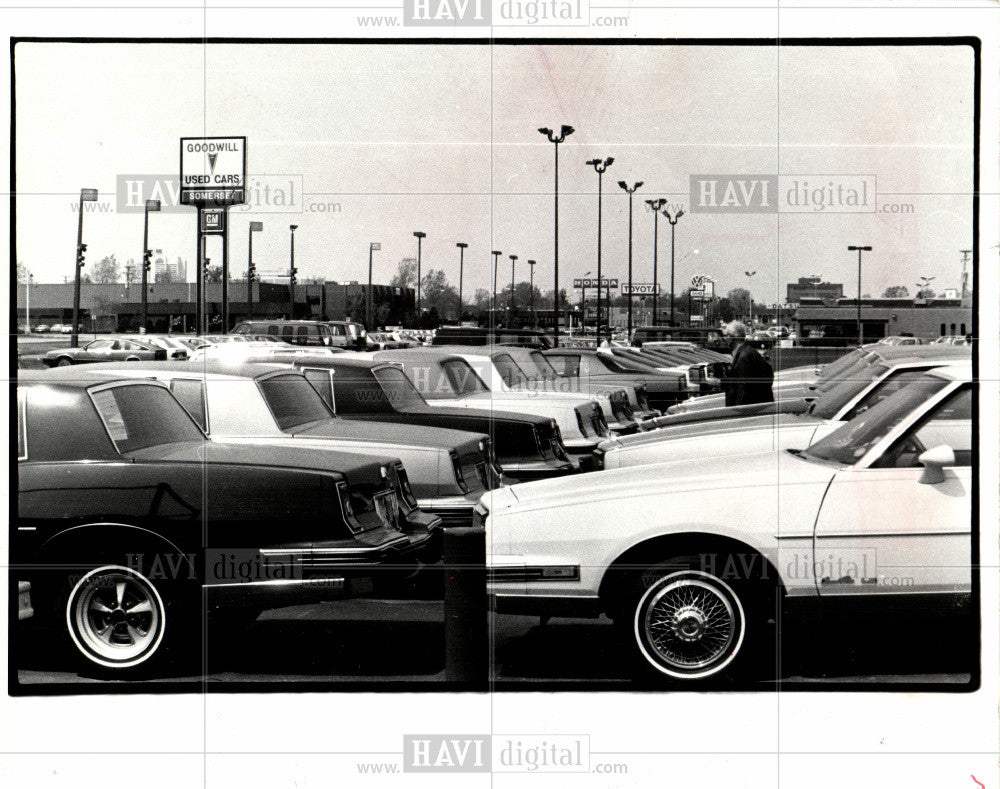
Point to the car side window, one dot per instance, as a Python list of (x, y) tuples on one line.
[(272, 330), (286, 332), (950, 424), (22, 426), (568, 365), (190, 394), (97, 345)]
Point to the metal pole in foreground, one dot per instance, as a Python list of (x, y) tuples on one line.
[(372, 246), (656, 205), (531, 292), (564, 132), (420, 237), (465, 625), (510, 320), (493, 304), (859, 250), (255, 227), (147, 254)]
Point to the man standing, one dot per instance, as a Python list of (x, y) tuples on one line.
[(750, 374)]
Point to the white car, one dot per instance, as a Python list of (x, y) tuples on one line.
[(720, 438), (696, 562), (448, 379)]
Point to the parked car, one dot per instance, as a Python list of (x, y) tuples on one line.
[(526, 447), (448, 379), (116, 541), (175, 348), (696, 560), (784, 430), (103, 350), (41, 328), (444, 472)]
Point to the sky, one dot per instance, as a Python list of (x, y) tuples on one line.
[(392, 139)]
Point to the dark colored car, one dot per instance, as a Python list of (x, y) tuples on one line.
[(127, 515), (479, 336), (105, 349), (662, 389), (527, 447)]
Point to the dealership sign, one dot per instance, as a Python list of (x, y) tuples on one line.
[(591, 282), (640, 289), (213, 170)]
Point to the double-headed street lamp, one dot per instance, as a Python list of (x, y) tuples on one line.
[(673, 224), (255, 227), (630, 192), (510, 319), (859, 250), (147, 254), (461, 270), (656, 205), (420, 237), (373, 246), (86, 196), (599, 167), (292, 271), (531, 292), (564, 132)]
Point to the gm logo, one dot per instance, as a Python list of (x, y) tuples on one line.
[(444, 753), (447, 13)]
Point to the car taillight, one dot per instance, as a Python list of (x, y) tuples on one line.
[(347, 510), (598, 459), (459, 477), (579, 422), (479, 514), (641, 398), (404, 486)]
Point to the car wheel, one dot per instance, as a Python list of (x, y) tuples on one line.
[(689, 626), (120, 621), (63, 361)]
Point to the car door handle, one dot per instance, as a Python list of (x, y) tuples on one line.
[(844, 579)]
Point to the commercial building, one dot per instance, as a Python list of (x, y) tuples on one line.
[(812, 288), (838, 324), (117, 307)]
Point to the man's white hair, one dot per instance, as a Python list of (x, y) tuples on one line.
[(736, 329)]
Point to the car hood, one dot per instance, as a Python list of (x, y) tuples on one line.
[(381, 432), (356, 469), (736, 475), (711, 428)]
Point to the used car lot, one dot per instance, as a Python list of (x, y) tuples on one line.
[(542, 536)]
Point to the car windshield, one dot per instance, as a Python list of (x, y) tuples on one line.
[(398, 389), (851, 442), (512, 374), (829, 403), (463, 379), (293, 401), (143, 415)]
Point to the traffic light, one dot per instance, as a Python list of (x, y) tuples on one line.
[(252, 273), (292, 272), (146, 258), (80, 250), (205, 268)]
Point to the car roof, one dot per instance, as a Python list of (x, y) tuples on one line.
[(108, 371), (929, 351), (960, 371)]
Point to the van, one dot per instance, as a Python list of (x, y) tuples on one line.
[(292, 332)]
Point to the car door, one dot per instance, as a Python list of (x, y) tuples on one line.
[(884, 529)]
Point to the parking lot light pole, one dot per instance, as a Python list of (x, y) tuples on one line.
[(599, 167), (859, 250), (630, 192), (564, 132), (86, 196), (420, 237), (656, 205), (147, 255), (292, 271), (372, 247), (750, 275), (493, 305), (255, 227), (510, 319), (461, 270), (673, 224), (531, 292)]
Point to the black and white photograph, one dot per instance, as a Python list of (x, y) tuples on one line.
[(600, 393)]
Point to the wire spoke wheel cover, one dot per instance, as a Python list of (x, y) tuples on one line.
[(689, 624), (115, 617)]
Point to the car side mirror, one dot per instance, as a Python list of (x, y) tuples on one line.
[(934, 461)]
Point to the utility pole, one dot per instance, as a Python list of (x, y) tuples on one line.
[(859, 250), (630, 192)]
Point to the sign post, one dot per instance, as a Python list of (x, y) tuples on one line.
[(213, 177)]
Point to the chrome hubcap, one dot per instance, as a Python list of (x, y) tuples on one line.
[(116, 617), (691, 624)]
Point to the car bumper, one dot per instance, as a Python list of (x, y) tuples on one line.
[(452, 510), (531, 470)]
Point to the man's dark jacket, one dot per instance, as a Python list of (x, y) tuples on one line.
[(749, 379)]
